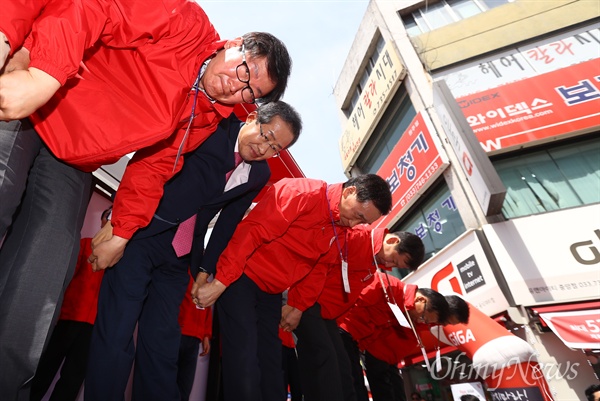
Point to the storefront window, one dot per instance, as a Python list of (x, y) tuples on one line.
[(436, 221), (445, 12), (551, 179)]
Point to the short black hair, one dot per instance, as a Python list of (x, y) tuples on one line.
[(279, 62), (459, 308), (266, 112), (436, 303), (411, 245), (371, 187), (589, 392)]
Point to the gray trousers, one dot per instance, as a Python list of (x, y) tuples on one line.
[(42, 207)]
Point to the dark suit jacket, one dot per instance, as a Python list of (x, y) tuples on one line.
[(198, 189)]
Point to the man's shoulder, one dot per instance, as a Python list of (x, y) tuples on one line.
[(303, 185)]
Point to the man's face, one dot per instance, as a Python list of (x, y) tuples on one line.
[(420, 314), (388, 256), (276, 136), (220, 80), (353, 212)]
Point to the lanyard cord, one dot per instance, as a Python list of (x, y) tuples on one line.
[(389, 296), (335, 231), (196, 88)]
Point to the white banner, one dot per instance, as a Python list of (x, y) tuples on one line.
[(550, 257), (462, 267)]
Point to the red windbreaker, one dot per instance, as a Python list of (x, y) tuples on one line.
[(127, 69), (283, 237), (330, 294), (80, 302), (371, 316)]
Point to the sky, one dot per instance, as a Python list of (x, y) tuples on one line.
[(318, 35)]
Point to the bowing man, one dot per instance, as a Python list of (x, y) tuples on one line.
[(148, 284)]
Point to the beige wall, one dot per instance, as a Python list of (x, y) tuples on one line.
[(500, 27)]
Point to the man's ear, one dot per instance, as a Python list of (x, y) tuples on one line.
[(237, 42), (251, 117), (392, 240), (348, 191), (420, 298)]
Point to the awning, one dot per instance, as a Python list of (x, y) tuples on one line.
[(418, 358), (577, 325)]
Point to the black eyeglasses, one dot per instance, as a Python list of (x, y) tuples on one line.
[(243, 74), (274, 148)]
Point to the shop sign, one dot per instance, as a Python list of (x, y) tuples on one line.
[(379, 89), (411, 167), (542, 56), (550, 257), (462, 267), (517, 393), (535, 109), (577, 329)]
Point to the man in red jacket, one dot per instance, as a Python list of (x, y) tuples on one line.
[(121, 76), (70, 338), (371, 318), (383, 356), (296, 223), (323, 360), (108, 78)]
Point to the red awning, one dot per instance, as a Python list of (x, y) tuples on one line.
[(415, 359), (577, 325)]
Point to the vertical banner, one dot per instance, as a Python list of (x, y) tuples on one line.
[(414, 163), (481, 174), (379, 89)]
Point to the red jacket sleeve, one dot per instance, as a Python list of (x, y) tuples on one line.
[(141, 187), (279, 207), (16, 20)]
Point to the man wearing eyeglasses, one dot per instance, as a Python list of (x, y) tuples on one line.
[(103, 79), (297, 222), (366, 325), (395, 344), (325, 368), (148, 284)]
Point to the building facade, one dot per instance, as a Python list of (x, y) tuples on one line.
[(483, 116)]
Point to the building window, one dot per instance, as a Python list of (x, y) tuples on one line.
[(551, 179), (396, 119), (438, 15), (364, 77), (435, 220), (466, 8), (445, 12)]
